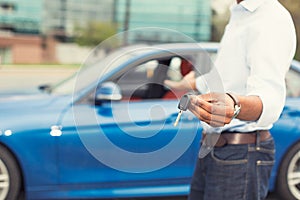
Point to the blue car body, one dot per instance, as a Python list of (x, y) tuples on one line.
[(64, 166)]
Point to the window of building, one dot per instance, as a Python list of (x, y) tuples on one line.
[(7, 7)]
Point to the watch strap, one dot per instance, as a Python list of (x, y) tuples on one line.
[(237, 104), (234, 98)]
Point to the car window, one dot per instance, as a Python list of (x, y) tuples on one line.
[(146, 81), (135, 81), (293, 83)]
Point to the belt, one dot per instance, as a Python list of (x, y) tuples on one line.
[(240, 138)]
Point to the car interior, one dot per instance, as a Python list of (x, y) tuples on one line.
[(146, 81)]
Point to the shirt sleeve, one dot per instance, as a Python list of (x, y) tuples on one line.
[(269, 55)]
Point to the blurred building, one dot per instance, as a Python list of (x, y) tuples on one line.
[(23, 48), (192, 18), (21, 16), (61, 17), (18, 18), (29, 26), (39, 21)]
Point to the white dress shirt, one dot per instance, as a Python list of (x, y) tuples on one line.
[(255, 53)]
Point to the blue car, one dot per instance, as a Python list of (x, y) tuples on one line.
[(108, 131)]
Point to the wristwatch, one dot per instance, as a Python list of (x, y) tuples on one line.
[(237, 104)]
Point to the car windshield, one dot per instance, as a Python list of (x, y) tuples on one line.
[(96, 67)]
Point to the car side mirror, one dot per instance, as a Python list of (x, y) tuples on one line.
[(108, 91), (45, 88)]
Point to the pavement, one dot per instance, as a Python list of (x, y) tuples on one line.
[(17, 78)]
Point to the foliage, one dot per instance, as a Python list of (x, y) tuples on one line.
[(294, 7), (94, 33), (219, 22)]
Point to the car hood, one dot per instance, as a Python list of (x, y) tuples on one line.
[(31, 110)]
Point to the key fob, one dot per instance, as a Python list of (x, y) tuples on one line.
[(184, 102)]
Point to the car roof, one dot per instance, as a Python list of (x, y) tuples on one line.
[(139, 49), (203, 45)]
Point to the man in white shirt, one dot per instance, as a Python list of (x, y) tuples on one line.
[(255, 53)]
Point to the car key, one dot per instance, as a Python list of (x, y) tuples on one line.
[(183, 106)]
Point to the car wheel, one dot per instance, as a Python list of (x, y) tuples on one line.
[(288, 181), (10, 178)]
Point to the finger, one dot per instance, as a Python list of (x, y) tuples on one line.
[(214, 107), (215, 124), (210, 118), (210, 113), (211, 97), (213, 120)]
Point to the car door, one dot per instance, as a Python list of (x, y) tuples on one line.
[(131, 141), (288, 122)]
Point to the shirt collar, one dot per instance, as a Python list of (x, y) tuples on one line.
[(251, 5)]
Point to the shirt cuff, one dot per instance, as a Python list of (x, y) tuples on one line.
[(271, 109)]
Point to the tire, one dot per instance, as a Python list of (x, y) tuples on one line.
[(10, 177), (288, 179)]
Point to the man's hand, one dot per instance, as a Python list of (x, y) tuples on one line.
[(216, 109), (188, 82)]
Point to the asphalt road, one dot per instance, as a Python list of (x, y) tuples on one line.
[(16, 79)]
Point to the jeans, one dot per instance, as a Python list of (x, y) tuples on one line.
[(234, 172)]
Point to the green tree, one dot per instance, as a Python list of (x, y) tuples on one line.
[(94, 33), (294, 7), (219, 22)]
